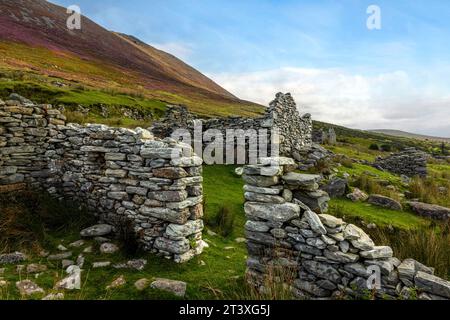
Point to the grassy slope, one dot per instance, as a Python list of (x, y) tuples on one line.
[(380, 216), (41, 63)]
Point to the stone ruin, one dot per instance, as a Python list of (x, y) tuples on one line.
[(128, 175), (119, 174), (409, 162), (321, 136), (318, 255), (294, 130)]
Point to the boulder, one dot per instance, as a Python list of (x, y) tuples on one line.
[(336, 187), (385, 202), (96, 231), (108, 248), (357, 195), (12, 258), (178, 288), (142, 284), (28, 288), (430, 210), (117, 283)]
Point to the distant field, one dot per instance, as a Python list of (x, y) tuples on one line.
[(398, 133)]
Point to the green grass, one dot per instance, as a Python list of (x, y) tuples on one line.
[(361, 169), (223, 187), (21, 62), (372, 214)]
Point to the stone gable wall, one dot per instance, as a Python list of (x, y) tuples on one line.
[(295, 130), (323, 256), (119, 174)]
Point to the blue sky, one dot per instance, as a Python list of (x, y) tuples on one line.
[(321, 51)]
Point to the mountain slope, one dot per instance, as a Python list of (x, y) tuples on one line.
[(34, 37), (404, 134)]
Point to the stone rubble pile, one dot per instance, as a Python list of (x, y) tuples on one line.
[(409, 162), (119, 174), (324, 256)]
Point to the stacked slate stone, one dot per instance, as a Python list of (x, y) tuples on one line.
[(324, 256), (312, 156), (294, 130), (410, 162), (123, 176)]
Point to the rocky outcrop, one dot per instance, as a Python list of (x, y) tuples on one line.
[(119, 174), (409, 162), (320, 256), (430, 210)]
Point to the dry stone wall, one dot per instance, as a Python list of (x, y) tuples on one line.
[(323, 256), (294, 130), (119, 174), (410, 162)]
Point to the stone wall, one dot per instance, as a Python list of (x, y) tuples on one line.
[(119, 174), (410, 162), (294, 130), (321, 136), (318, 255)]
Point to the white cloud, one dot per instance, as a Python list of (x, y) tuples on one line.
[(178, 49), (387, 100)]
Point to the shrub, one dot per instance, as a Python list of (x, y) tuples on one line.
[(374, 146), (429, 246), (75, 117), (223, 221), (346, 162), (386, 147), (372, 186), (27, 216), (429, 190), (275, 284)]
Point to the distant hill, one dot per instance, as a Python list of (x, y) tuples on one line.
[(404, 134), (34, 38)]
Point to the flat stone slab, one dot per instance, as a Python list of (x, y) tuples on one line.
[(96, 231), (301, 179), (430, 210), (385, 202), (432, 284), (178, 288)]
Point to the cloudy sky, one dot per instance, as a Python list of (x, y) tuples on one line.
[(322, 52)]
